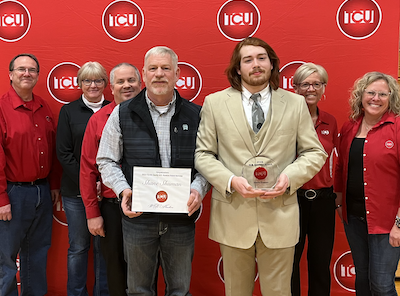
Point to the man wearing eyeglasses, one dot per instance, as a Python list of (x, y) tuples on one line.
[(245, 131), (29, 180)]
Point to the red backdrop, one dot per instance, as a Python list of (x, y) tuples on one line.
[(349, 38)]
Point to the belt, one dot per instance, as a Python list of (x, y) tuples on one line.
[(314, 193), (36, 182), (113, 200)]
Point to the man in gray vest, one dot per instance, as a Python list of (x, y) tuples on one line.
[(157, 128)]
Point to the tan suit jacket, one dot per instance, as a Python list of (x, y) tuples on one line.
[(224, 144)]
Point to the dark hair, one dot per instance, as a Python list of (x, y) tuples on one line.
[(232, 74), (11, 66)]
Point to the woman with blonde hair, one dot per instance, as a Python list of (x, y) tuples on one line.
[(72, 121), (367, 182), (316, 198)]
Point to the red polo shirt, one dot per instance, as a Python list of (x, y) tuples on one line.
[(326, 128), (27, 150), (89, 174), (381, 168)]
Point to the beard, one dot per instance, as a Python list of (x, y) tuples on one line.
[(161, 89), (253, 80)]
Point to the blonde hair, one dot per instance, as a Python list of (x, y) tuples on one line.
[(362, 83), (306, 70), (92, 69)]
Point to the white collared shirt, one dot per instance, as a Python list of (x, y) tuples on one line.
[(264, 101)]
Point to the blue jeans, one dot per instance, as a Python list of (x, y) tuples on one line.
[(374, 258), (78, 252), (29, 233), (147, 243)]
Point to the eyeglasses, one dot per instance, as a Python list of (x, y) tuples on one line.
[(22, 70), (315, 85), (97, 82), (381, 95)]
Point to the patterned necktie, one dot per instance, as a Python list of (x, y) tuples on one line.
[(257, 113)]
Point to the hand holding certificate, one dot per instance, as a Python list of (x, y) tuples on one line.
[(156, 189)]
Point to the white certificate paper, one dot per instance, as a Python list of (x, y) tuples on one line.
[(156, 189)]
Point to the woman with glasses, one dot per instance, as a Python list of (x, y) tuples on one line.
[(316, 198), (367, 182), (73, 118)]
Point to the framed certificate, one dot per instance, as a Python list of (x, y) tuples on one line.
[(156, 189)]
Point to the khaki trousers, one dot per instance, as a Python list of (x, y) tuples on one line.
[(274, 269)]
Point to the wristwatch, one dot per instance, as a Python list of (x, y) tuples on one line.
[(397, 221)]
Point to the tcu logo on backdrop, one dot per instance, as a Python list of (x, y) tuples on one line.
[(62, 82), (59, 214), (190, 82), (359, 19), (15, 21), (287, 72), (345, 272), (123, 20), (238, 19)]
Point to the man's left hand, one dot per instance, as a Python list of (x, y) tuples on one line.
[(194, 202), (279, 189)]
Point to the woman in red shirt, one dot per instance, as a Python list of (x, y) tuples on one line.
[(316, 197), (367, 182)]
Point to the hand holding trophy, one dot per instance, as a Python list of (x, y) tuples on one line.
[(261, 172)]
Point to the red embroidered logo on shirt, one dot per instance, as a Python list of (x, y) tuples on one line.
[(389, 144), (325, 132)]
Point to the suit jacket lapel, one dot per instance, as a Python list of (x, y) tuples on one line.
[(234, 106), (277, 106)]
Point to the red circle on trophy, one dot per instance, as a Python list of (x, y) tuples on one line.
[(260, 173), (161, 196)]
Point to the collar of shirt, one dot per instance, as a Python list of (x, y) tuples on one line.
[(264, 101), (18, 102), (160, 109), (95, 106), (265, 96)]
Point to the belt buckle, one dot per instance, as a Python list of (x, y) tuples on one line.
[(310, 194)]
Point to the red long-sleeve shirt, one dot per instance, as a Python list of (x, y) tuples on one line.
[(326, 128), (27, 151), (381, 170), (89, 173)]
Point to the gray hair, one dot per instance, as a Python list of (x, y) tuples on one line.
[(162, 50), (126, 65)]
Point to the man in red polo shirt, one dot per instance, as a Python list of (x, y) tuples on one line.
[(105, 219), (28, 170)]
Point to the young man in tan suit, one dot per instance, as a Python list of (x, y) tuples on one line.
[(251, 223)]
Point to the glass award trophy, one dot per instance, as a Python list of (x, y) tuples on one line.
[(261, 172)]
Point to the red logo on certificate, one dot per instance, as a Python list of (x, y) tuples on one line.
[(260, 173), (161, 196)]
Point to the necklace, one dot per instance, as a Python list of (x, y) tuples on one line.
[(367, 126)]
